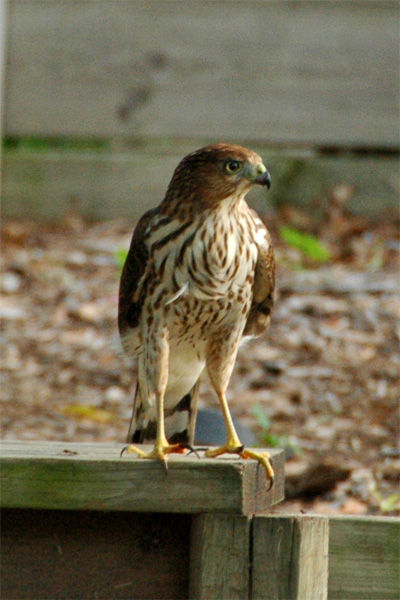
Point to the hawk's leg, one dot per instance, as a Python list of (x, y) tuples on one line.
[(156, 384), (220, 375), (234, 446)]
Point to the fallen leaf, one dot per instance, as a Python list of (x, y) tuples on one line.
[(100, 415)]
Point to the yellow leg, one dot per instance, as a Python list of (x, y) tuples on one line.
[(234, 446), (161, 447)]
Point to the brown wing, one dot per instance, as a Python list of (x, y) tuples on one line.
[(131, 297), (263, 288)]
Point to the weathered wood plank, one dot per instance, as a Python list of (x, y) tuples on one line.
[(59, 475), (101, 186), (290, 557), (321, 72), (219, 557), (335, 281), (55, 555), (3, 30), (364, 558)]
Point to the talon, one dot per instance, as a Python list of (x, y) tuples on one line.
[(124, 449), (263, 459), (160, 452), (234, 448), (164, 463), (193, 450)]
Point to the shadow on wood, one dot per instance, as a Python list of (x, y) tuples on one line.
[(70, 554)]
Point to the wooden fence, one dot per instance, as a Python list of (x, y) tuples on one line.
[(311, 85), (81, 522)]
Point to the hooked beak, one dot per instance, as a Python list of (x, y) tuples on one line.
[(261, 176)]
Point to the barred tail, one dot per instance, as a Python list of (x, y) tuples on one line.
[(180, 421)]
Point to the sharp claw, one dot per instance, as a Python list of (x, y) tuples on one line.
[(124, 449), (164, 463), (193, 450), (263, 459)]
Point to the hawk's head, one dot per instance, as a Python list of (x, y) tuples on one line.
[(214, 173)]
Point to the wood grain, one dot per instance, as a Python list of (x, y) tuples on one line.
[(3, 42), (290, 557), (55, 475), (219, 557), (364, 558), (321, 72), (47, 185), (55, 555)]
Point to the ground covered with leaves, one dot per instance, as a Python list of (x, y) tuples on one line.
[(323, 382)]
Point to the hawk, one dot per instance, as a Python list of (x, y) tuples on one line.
[(198, 279)]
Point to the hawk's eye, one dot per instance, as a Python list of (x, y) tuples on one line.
[(232, 166)]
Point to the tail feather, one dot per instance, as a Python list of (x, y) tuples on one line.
[(180, 421)]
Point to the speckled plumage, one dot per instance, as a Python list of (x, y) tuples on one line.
[(198, 277)]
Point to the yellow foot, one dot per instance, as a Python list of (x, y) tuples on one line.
[(227, 449), (159, 452), (262, 457)]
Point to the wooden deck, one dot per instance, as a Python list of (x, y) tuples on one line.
[(81, 522)]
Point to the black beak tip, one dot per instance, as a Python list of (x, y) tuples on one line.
[(264, 179)]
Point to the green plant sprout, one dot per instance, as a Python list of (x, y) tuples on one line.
[(267, 437), (389, 504), (307, 244), (120, 257)]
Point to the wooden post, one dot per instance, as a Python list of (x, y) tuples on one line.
[(364, 558), (290, 557), (219, 557)]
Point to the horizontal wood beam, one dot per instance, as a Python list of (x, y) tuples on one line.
[(48, 185), (57, 475), (321, 72)]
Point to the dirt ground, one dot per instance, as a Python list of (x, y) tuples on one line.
[(323, 382)]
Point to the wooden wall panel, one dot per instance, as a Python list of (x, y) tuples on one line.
[(364, 555), (58, 555), (321, 72), (46, 185)]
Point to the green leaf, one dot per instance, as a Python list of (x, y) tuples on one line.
[(120, 257), (390, 504), (308, 244), (93, 413), (261, 416)]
